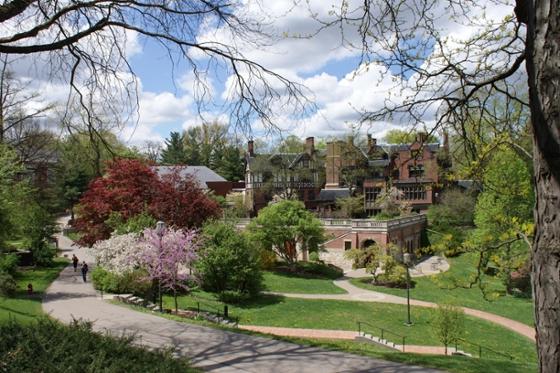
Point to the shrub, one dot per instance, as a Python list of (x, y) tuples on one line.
[(227, 262), (314, 256), (8, 285), (267, 259), (49, 346), (8, 263), (43, 254), (135, 224), (134, 282)]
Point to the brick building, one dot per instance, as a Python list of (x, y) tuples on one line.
[(283, 175), (344, 169)]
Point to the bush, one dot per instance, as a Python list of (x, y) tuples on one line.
[(48, 346), (228, 263), (134, 282), (43, 254), (314, 256), (8, 285), (8, 263), (395, 277), (267, 259)]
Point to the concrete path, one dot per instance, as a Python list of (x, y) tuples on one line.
[(210, 349), (357, 294), (432, 265)]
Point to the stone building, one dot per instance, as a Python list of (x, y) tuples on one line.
[(283, 175)]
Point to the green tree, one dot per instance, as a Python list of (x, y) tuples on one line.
[(282, 226), (448, 324), (228, 262), (230, 164), (351, 207), (174, 152), (396, 136)]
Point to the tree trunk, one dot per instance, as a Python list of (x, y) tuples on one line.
[(543, 67)]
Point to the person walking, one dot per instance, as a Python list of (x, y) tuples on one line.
[(75, 262), (84, 270)]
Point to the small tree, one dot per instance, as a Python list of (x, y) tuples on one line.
[(381, 263), (281, 226), (167, 257), (449, 323), (227, 261)]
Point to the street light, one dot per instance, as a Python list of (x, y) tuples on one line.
[(407, 259), (160, 230)]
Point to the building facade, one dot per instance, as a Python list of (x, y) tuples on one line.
[(345, 169)]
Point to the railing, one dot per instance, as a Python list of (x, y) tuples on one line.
[(220, 310), (383, 331), (481, 347), (283, 184)]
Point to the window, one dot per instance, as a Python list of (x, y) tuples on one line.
[(371, 195), (413, 192), (416, 170), (347, 245)]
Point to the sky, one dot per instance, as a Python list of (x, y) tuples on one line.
[(337, 84)]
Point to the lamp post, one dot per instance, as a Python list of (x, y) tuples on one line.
[(407, 259), (160, 230)]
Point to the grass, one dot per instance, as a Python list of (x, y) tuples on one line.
[(23, 307), (442, 288), (278, 311), (453, 364), (306, 278), (74, 236)]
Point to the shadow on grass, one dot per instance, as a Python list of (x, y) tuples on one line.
[(308, 270)]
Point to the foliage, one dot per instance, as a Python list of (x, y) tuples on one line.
[(381, 263), (503, 212), (455, 208), (7, 284), (120, 253), (135, 224), (235, 206), (49, 346), (130, 188), (281, 226), (391, 204), (449, 324), (314, 257), (132, 281), (351, 207), (228, 262), (8, 263), (167, 256), (397, 136), (174, 151)]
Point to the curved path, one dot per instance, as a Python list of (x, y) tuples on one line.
[(210, 349), (357, 294)]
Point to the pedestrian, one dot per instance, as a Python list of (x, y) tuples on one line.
[(84, 270), (75, 262)]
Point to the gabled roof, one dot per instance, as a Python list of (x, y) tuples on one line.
[(333, 193), (201, 174)]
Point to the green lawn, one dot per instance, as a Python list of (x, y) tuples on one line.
[(442, 288), (344, 315), (23, 307), (304, 278), (290, 283)]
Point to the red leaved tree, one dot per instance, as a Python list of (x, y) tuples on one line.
[(130, 187)]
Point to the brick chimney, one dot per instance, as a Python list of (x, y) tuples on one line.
[(310, 145), (421, 137), (250, 148), (371, 142)]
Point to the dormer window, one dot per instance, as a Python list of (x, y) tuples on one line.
[(416, 170)]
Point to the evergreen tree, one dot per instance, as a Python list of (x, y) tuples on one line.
[(174, 152), (230, 165)]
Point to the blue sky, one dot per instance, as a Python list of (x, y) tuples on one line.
[(337, 84)]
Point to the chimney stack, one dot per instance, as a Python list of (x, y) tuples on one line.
[(421, 137), (372, 141), (310, 145), (250, 148)]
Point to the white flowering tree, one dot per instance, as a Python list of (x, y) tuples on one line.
[(120, 253)]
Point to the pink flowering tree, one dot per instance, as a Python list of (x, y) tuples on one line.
[(169, 256)]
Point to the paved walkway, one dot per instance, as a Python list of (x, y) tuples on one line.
[(339, 334), (355, 293), (210, 349)]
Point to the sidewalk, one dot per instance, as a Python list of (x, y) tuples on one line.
[(210, 349), (357, 294)]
